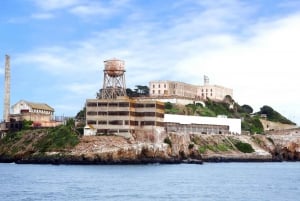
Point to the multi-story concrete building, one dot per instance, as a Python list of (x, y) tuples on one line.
[(180, 89), (122, 116), (115, 113)]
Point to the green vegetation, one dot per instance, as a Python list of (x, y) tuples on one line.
[(38, 140), (273, 115), (244, 147), (168, 141), (221, 147), (250, 122), (27, 124), (202, 149), (57, 139), (138, 91), (191, 146)]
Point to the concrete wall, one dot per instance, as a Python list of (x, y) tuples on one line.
[(234, 124), (270, 125), (181, 89)]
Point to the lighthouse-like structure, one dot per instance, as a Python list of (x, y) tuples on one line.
[(114, 79)]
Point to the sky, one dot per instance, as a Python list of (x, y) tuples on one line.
[(57, 48)]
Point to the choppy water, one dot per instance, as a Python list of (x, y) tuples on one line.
[(208, 182)]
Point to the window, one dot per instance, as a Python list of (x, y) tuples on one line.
[(158, 85), (150, 105), (153, 86), (113, 104), (102, 104), (124, 104), (158, 91), (153, 92), (102, 113), (92, 104), (91, 113), (165, 86)]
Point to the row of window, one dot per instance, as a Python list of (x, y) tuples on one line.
[(153, 86), (207, 90), (131, 123), (126, 104), (126, 113), (203, 95)]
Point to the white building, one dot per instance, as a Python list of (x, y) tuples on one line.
[(39, 113), (166, 89), (215, 124)]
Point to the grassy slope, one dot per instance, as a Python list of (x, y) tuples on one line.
[(250, 123), (26, 142)]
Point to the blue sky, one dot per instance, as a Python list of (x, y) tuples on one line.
[(57, 48)]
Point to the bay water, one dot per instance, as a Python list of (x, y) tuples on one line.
[(207, 182)]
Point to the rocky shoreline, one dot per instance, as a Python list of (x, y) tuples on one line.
[(178, 148)]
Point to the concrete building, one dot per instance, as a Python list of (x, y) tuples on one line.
[(40, 113), (213, 92), (203, 125), (169, 89), (122, 116), (115, 113)]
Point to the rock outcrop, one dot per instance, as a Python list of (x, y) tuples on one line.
[(146, 148)]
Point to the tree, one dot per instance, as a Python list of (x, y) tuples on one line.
[(81, 114), (267, 110), (168, 106), (247, 109), (142, 90)]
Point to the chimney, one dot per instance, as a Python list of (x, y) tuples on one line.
[(6, 110)]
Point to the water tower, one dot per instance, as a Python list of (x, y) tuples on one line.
[(114, 79)]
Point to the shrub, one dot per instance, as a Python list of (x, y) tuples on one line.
[(243, 147), (202, 149), (168, 141), (57, 139), (191, 146)]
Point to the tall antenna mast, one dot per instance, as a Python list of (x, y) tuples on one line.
[(6, 110)]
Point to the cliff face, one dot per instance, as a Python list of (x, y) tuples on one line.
[(150, 148)]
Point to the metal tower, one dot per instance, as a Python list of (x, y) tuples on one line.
[(114, 79), (206, 80), (6, 110)]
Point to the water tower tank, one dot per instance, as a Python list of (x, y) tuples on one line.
[(114, 67)]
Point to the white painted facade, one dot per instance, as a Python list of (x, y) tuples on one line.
[(234, 124), (29, 107), (89, 130), (180, 101), (180, 89)]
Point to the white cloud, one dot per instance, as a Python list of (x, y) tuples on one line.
[(258, 59), (42, 16), (55, 4), (82, 88)]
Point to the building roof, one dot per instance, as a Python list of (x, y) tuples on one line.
[(39, 106)]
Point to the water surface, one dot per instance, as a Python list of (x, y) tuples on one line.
[(208, 182)]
